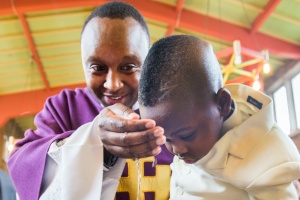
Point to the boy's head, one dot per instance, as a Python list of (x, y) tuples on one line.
[(181, 89), (114, 43)]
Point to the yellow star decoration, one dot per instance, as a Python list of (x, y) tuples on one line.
[(232, 68), (236, 66)]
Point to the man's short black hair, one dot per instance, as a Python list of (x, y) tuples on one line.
[(117, 10), (179, 66)]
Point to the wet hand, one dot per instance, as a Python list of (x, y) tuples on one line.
[(124, 135)]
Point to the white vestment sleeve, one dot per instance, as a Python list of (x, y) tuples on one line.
[(79, 170)]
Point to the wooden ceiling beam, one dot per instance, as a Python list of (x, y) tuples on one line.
[(262, 17), (224, 52), (179, 8), (258, 42), (27, 103), (25, 6), (33, 50)]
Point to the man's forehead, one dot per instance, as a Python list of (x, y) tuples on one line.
[(105, 24)]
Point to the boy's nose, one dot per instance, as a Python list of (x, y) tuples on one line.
[(179, 150)]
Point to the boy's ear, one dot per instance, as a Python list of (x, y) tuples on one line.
[(224, 101)]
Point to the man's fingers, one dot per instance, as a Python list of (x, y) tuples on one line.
[(135, 138), (132, 138), (123, 111), (125, 135), (118, 124)]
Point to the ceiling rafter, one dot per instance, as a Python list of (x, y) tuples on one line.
[(262, 17), (10, 63), (56, 45), (33, 50), (230, 32), (179, 8), (57, 31), (32, 102), (22, 73), (167, 14), (13, 51), (75, 54), (261, 10)]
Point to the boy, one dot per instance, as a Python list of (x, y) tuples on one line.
[(225, 140)]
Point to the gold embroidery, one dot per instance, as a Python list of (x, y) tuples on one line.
[(160, 183), (138, 166)]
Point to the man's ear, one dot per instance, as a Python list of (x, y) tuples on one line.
[(224, 101)]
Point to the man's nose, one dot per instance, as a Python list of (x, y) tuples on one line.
[(113, 81)]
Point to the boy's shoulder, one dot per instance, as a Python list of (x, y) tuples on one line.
[(274, 159), (253, 161)]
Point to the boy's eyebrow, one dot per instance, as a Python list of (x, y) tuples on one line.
[(186, 129)]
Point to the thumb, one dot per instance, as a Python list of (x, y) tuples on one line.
[(124, 111)]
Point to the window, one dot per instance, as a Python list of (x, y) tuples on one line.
[(296, 94), (281, 109)]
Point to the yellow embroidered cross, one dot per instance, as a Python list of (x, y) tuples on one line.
[(159, 184)]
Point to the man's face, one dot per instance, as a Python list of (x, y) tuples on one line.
[(191, 127), (113, 51)]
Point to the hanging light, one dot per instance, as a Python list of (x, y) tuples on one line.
[(10, 144), (266, 67), (256, 83), (237, 52)]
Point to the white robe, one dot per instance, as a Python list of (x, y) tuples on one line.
[(82, 151)]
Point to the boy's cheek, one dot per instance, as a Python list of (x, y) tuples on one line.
[(169, 147)]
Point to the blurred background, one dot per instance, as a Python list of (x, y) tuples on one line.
[(257, 43)]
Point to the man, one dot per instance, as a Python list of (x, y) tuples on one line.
[(64, 157), (225, 140)]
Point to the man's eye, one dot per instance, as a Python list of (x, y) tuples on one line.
[(98, 68), (187, 137), (128, 67)]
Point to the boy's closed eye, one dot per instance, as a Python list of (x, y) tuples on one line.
[(187, 137)]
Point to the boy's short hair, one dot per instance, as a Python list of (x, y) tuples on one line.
[(179, 66), (117, 10)]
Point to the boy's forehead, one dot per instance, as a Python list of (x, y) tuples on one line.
[(175, 110), (157, 112), (160, 112)]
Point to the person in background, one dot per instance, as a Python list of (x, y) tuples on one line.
[(75, 152), (225, 140), (7, 190)]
